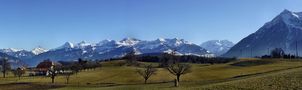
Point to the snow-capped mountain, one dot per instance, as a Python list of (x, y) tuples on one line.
[(38, 50), (167, 45), (107, 49), (217, 47), (14, 61), (11, 50), (19, 53), (129, 41), (67, 45), (4, 55), (284, 31), (23, 54)]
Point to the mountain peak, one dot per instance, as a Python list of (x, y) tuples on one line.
[(129, 41), (38, 50), (66, 45), (83, 44), (161, 39), (106, 41), (284, 31), (12, 50), (285, 11), (178, 39), (289, 18), (69, 45)]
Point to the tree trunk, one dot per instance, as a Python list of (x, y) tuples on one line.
[(178, 78), (52, 80), (145, 81), (176, 83), (4, 74), (67, 81)]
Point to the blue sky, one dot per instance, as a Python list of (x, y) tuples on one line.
[(50, 23)]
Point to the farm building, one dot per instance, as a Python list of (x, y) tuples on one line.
[(43, 67)]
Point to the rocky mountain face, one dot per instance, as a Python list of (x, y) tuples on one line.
[(284, 31)]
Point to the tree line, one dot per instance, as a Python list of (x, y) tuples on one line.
[(176, 65), (66, 69), (164, 59), (280, 53), (70, 68)]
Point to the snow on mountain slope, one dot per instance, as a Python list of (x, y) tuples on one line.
[(217, 47), (165, 45), (284, 31), (38, 50), (129, 41), (19, 53), (67, 45), (11, 50), (112, 49), (4, 55), (82, 44)]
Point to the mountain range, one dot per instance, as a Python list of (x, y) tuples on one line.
[(23, 54), (217, 47), (107, 49), (284, 31)]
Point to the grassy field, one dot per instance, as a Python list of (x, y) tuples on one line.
[(244, 74)]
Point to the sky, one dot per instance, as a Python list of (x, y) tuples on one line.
[(26, 24)]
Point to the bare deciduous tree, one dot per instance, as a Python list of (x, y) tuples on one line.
[(179, 70), (76, 67), (169, 58), (5, 66), (52, 72), (131, 58), (67, 76), (147, 72), (19, 72)]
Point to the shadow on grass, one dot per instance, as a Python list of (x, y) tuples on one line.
[(252, 63), (255, 74), (108, 85), (28, 86)]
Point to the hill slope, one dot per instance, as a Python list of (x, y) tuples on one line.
[(284, 31)]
